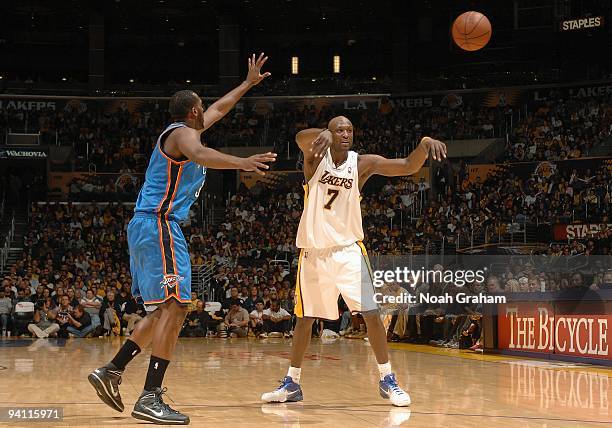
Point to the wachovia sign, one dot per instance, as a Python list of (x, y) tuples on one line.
[(22, 154)]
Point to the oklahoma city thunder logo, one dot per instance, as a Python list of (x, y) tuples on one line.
[(171, 284)]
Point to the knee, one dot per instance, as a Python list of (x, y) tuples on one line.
[(305, 323), (176, 309), (371, 316)]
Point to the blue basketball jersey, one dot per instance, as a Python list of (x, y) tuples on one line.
[(171, 186)]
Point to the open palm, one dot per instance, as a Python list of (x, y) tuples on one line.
[(254, 76)]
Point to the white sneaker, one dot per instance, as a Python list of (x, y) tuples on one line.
[(263, 335), (287, 391), (388, 388)]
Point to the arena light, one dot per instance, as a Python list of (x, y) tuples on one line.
[(131, 80), (64, 79), (187, 81), (295, 62), (336, 63)]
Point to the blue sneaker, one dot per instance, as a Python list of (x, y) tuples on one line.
[(287, 391), (389, 388)]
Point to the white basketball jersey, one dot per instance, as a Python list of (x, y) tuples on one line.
[(332, 211)]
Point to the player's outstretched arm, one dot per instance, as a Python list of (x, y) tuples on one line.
[(377, 165), (188, 141), (222, 106)]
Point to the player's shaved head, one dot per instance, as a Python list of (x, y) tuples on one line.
[(342, 133), (181, 103), (337, 121)]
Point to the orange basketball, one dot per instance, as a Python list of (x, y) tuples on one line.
[(471, 31)]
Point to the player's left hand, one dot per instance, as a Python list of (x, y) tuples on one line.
[(321, 144), (254, 75), (435, 147)]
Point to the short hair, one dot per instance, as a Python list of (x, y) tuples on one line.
[(181, 103)]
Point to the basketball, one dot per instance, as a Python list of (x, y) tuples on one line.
[(471, 31)]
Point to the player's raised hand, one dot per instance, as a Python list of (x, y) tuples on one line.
[(257, 163), (321, 144), (254, 75), (435, 147)]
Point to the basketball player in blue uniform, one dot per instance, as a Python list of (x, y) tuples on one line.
[(159, 257)]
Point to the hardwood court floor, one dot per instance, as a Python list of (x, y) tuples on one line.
[(218, 383)]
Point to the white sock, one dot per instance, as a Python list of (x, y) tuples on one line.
[(294, 373), (384, 370)]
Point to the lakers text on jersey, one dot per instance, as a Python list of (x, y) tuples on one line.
[(332, 211), (333, 260)]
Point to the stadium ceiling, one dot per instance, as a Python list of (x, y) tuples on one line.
[(190, 17), (64, 21)]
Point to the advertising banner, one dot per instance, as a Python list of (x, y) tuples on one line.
[(564, 232), (544, 169), (36, 153), (552, 329)]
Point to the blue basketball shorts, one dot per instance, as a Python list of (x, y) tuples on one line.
[(159, 260)]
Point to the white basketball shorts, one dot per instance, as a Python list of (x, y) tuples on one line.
[(325, 274)]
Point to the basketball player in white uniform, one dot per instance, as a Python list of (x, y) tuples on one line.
[(330, 235)]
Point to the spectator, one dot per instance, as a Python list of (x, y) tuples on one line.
[(257, 321), (80, 322), (237, 320), (92, 304), (196, 323), (74, 301), (44, 317), (110, 315), (250, 302), (194, 301), (276, 320), (63, 314), (132, 313), (6, 308)]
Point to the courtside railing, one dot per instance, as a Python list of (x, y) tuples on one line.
[(6, 247)]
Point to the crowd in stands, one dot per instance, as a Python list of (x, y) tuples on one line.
[(561, 129), (118, 137), (74, 272), (75, 267)]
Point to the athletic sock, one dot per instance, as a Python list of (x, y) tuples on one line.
[(155, 375), (384, 370), (294, 373), (128, 351)]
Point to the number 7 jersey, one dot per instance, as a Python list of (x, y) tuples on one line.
[(332, 210)]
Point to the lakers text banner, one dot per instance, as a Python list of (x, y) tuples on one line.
[(384, 103)]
